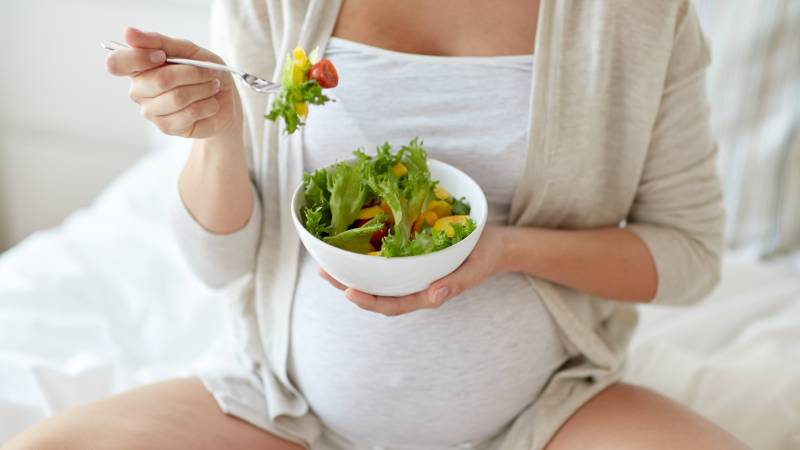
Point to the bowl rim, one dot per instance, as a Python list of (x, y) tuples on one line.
[(478, 226)]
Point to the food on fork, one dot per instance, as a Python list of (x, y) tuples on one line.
[(303, 79)]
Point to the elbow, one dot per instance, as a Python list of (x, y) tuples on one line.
[(701, 276), (215, 277), (708, 278), (216, 260), (714, 273), (688, 265)]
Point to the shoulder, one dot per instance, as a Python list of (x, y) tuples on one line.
[(661, 15), (631, 22), (633, 35)]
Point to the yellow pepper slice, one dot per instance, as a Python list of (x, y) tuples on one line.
[(441, 193), (385, 207), (430, 217), (299, 65), (369, 212), (299, 55), (302, 109), (441, 208), (445, 223), (399, 170)]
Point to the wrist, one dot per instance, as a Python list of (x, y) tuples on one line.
[(517, 250), (228, 146), (217, 159), (501, 240)]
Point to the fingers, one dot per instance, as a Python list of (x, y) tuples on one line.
[(467, 275), (184, 122), (132, 60), (435, 296), (156, 82), (392, 306), (179, 48), (178, 98), (331, 280)]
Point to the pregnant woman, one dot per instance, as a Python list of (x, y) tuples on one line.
[(585, 123)]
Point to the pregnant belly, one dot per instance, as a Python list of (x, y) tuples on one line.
[(440, 377)]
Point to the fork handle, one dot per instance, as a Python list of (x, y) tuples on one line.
[(204, 65), (114, 45)]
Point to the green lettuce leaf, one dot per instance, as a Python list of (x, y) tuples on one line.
[(357, 239), (348, 195), (407, 195), (461, 207), (313, 220), (315, 188), (316, 214), (426, 241)]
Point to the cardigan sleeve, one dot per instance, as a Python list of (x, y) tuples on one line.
[(677, 210), (239, 33), (217, 259)]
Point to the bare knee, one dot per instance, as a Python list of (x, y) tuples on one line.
[(630, 417)]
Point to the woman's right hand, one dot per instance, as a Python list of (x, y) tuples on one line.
[(180, 100)]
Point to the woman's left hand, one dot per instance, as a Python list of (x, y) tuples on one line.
[(482, 263)]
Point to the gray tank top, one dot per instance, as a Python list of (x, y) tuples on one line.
[(432, 378)]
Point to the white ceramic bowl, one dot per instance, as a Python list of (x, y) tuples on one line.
[(400, 275)]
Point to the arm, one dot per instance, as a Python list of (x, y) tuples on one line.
[(217, 218), (670, 250), (218, 259), (214, 184), (608, 262)]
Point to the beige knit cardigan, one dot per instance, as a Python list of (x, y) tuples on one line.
[(618, 135)]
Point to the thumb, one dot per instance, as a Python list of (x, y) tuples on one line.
[(457, 282), (179, 48)]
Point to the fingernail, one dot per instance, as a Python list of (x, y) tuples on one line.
[(440, 294), (158, 57), (216, 84)]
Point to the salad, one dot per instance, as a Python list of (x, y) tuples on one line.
[(384, 205), (303, 79)]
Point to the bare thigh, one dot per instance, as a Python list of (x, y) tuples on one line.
[(178, 414), (626, 417)]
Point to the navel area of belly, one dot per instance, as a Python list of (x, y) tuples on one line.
[(431, 378)]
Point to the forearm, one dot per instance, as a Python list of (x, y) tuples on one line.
[(215, 185), (609, 262)]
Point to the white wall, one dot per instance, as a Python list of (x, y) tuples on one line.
[(66, 127)]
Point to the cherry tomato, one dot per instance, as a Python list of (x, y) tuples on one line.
[(377, 236), (324, 73)]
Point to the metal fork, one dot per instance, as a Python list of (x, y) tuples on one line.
[(256, 83)]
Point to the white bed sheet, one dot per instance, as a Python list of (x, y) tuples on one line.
[(105, 302)]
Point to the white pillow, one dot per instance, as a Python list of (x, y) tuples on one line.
[(754, 89)]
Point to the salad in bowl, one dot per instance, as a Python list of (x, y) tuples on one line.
[(389, 223)]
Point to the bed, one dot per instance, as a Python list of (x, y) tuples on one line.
[(106, 302)]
